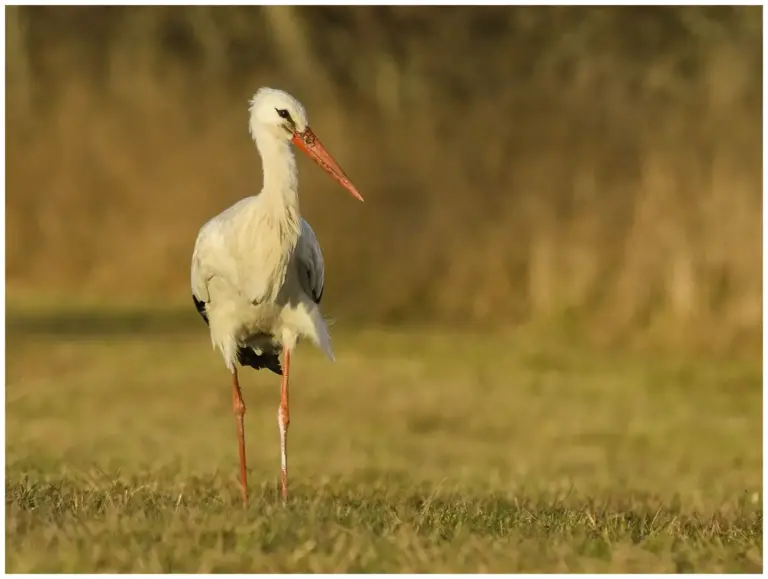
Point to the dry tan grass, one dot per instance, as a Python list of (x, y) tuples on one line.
[(598, 167)]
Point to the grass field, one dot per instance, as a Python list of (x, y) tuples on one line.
[(413, 452)]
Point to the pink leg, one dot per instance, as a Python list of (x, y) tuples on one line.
[(239, 407), (283, 420)]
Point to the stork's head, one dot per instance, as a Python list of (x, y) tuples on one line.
[(278, 114)]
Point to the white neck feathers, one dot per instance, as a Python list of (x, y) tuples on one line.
[(281, 183)]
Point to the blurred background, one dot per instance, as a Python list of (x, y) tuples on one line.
[(589, 170), (553, 290)]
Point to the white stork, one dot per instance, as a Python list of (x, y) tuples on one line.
[(257, 269)]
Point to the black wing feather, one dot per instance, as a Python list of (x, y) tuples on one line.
[(247, 356), (316, 297), (200, 305)]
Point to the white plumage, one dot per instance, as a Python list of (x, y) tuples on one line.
[(257, 269), (260, 275)]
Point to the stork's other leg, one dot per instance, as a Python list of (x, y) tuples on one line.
[(283, 420), (239, 408)]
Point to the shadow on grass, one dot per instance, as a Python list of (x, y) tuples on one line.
[(102, 322)]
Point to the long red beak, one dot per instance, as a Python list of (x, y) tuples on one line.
[(311, 145)]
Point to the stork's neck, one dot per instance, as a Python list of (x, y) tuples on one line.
[(281, 184)]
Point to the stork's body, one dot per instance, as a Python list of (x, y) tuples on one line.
[(259, 274), (257, 269)]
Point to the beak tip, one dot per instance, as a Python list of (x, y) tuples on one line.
[(352, 189)]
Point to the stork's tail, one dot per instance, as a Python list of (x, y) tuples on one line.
[(322, 338), (324, 344)]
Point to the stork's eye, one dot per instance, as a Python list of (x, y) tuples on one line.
[(284, 114)]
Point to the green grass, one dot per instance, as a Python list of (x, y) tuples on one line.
[(413, 452)]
